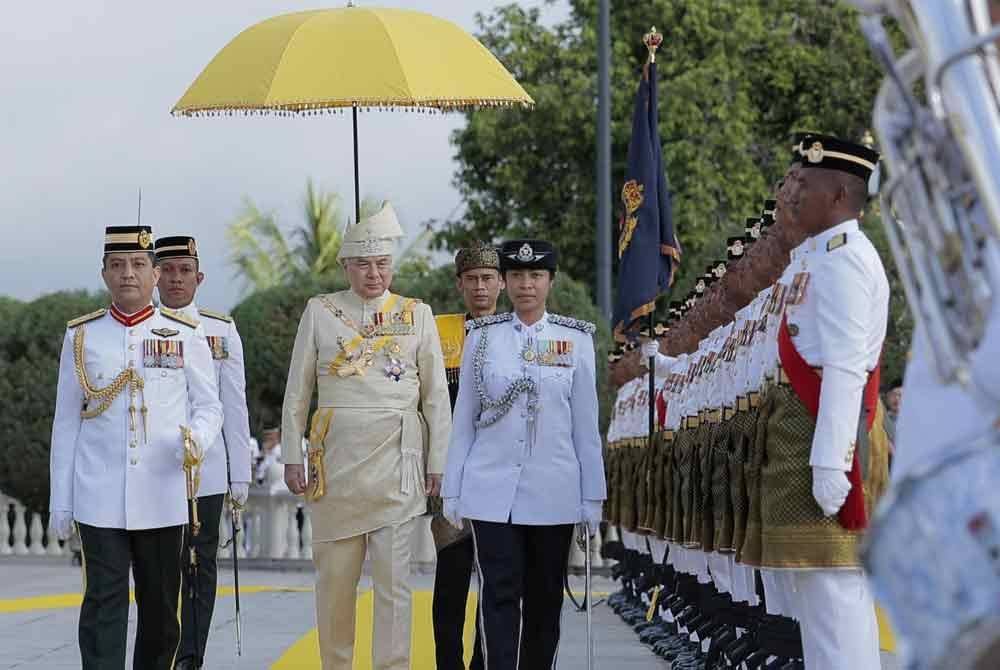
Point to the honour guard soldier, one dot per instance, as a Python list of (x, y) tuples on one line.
[(813, 481), (382, 422), (229, 460), (133, 379), (477, 271), (525, 461)]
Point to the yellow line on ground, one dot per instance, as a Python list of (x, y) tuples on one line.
[(72, 600)]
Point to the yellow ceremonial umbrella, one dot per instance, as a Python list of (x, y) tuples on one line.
[(324, 60)]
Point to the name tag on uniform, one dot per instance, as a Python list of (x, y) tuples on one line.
[(219, 346), (168, 354), (557, 353)]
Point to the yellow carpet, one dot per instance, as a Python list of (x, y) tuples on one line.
[(305, 652)]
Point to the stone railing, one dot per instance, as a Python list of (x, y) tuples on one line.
[(275, 526), (22, 532)]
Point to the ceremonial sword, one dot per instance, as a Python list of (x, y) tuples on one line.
[(234, 519)]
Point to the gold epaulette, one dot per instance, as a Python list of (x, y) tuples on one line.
[(209, 314), (178, 317), (73, 323)]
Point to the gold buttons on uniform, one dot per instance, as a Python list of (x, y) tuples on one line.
[(131, 347), (163, 374), (793, 329), (132, 444)]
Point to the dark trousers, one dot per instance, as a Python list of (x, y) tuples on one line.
[(521, 570), (206, 547), (155, 559), (451, 592)]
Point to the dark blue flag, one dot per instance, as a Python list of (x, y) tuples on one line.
[(647, 245)]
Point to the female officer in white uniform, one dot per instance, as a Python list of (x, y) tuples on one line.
[(525, 462)]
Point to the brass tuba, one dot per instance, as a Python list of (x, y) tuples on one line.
[(937, 116)]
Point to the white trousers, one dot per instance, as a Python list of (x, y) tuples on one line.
[(338, 571), (837, 614)]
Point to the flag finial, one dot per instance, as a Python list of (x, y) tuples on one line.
[(652, 40)]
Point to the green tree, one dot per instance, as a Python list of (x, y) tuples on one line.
[(736, 80), (31, 337), (265, 255)]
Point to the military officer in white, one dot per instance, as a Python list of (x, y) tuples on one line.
[(814, 489), (525, 461), (226, 468), (377, 441), (130, 378)]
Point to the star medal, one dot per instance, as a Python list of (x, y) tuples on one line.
[(528, 354), (395, 369), (395, 349)]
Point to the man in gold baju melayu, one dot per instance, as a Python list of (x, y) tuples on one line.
[(377, 441)]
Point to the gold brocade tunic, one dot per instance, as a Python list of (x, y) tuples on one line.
[(386, 418)]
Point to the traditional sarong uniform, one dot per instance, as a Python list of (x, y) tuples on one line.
[(382, 422), (228, 460), (613, 454), (829, 344), (632, 451), (662, 444), (779, 594), (127, 384), (524, 465)]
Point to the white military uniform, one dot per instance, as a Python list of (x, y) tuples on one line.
[(234, 440), (841, 324), (540, 460), (122, 471)]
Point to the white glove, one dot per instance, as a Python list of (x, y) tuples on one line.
[(591, 513), (830, 489), (239, 492), (61, 523), (451, 512), (649, 349)]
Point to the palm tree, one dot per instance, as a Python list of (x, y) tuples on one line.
[(265, 256)]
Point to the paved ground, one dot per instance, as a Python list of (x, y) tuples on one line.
[(39, 610)]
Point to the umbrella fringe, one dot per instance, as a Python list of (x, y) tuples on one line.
[(291, 109)]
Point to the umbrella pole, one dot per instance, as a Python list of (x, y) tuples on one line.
[(357, 188)]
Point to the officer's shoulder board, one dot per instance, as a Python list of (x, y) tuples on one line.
[(219, 316), (473, 324), (569, 322), (836, 241), (178, 317), (73, 323)]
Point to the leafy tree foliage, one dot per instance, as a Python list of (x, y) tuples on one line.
[(31, 340), (736, 80)]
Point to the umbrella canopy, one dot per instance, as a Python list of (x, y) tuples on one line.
[(351, 57)]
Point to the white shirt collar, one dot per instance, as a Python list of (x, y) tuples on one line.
[(537, 327)]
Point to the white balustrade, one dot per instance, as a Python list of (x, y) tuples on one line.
[(20, 530), (5, 549), (307, 534), (35, 534), (293, 550)]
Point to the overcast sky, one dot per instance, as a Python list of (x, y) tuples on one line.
[(86, 90)]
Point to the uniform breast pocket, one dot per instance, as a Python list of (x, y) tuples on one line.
[(558, 378), (168, 386)]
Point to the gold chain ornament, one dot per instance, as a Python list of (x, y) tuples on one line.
[(104, 397)]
